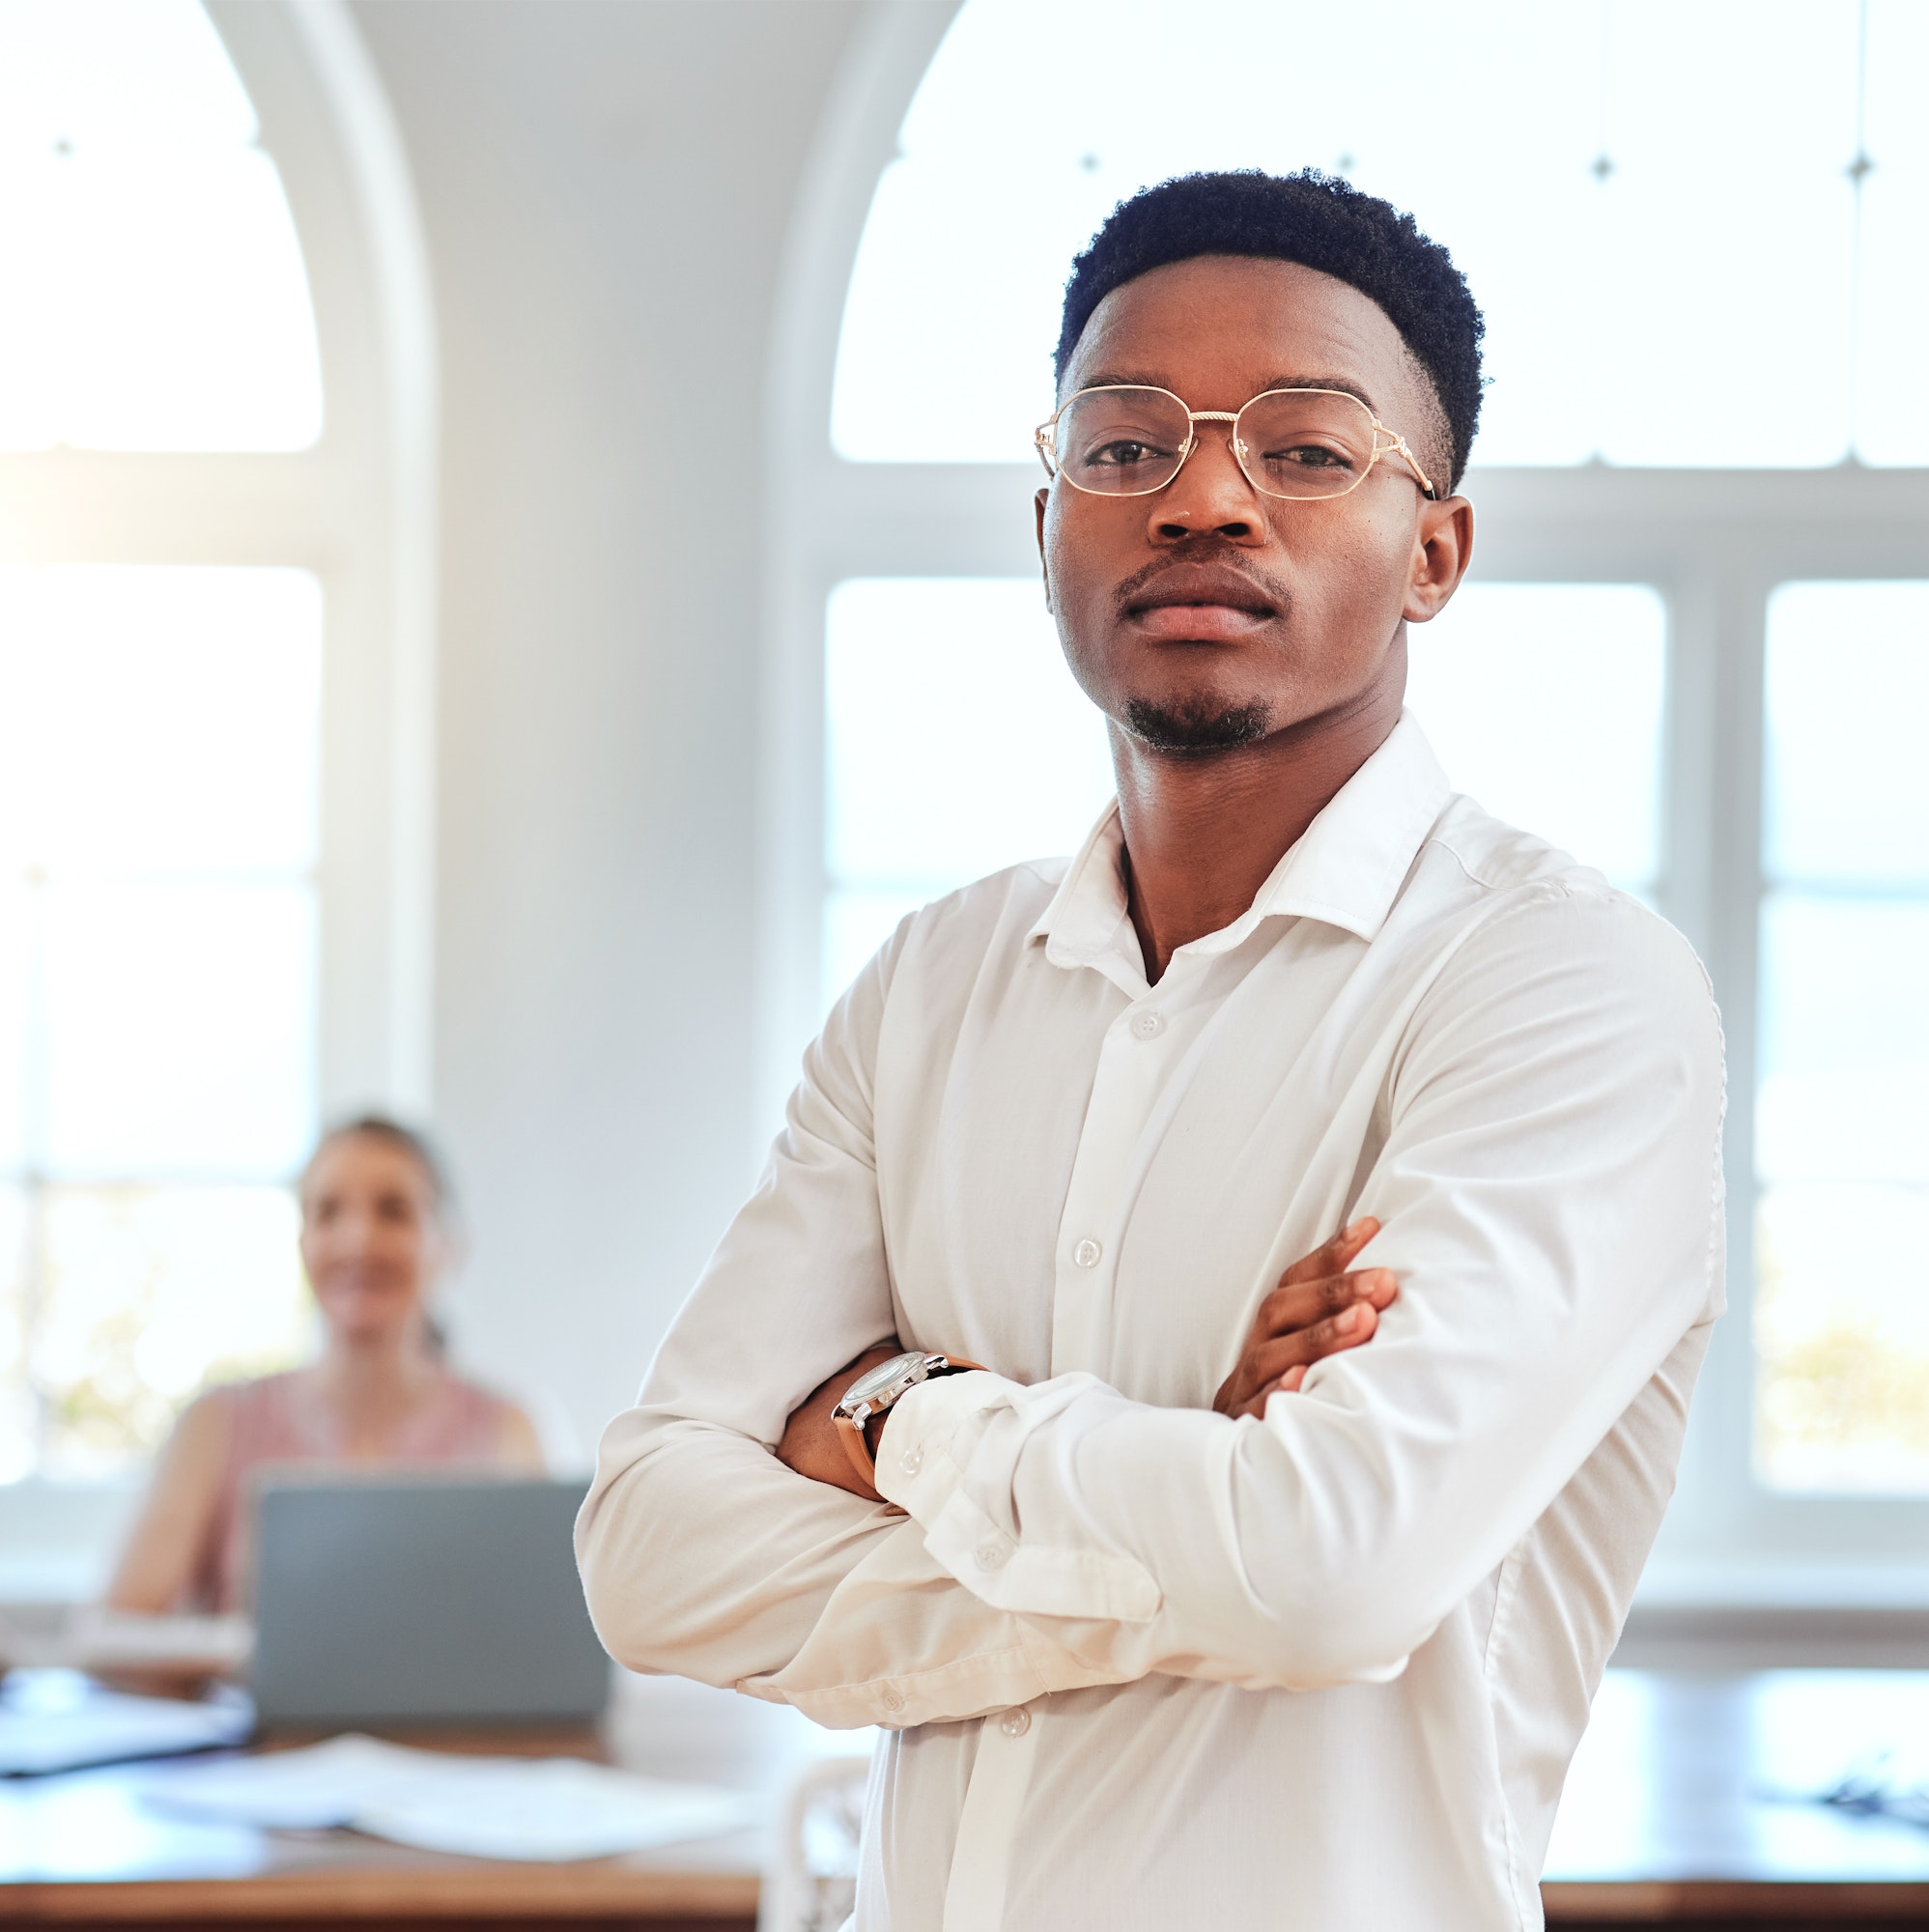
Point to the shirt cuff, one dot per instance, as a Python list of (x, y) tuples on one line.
[(950, 1461)]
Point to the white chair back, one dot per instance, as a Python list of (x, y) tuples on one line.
[(810, 1878)]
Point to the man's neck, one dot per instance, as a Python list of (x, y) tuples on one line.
[(1204, 830)]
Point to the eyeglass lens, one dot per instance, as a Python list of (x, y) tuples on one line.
[(1290, 442)]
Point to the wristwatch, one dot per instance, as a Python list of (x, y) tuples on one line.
[(873, 1395)]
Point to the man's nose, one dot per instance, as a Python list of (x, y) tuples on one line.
[(1210, 493)]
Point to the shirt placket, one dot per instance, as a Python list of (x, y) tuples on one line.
[(1134, 1060)]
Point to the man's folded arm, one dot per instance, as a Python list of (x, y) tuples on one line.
[(1549, 1188), (704, 1557)]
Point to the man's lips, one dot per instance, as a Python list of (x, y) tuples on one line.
[(1199, 623), (1199, 604)]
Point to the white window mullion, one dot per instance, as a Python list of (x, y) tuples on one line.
[(1719, 1514)]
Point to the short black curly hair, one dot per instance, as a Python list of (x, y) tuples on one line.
[(1314, 219)]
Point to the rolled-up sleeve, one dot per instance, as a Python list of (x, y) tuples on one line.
[(1549, 1182)]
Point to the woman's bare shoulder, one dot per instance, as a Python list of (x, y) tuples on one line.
[(211, 1413), (522, 1446), (515, 1437), (495, 1424), (227, 1404)]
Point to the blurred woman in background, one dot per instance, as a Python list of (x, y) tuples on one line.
[(375, 1239)]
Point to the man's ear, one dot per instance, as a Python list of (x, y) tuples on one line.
[(1043, 498), (1442, 550)]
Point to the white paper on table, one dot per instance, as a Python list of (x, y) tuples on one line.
[(496, 1808), (56, 1720), (556, 1808), (293, 1790)]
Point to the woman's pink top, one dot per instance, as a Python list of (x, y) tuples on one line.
[(278, 1422)]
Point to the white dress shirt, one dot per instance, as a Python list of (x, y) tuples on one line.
[(1140, 1665)]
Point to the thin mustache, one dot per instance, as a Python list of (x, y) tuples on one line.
[(1209, 552)]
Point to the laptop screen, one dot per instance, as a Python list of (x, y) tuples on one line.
[(418, 1600)]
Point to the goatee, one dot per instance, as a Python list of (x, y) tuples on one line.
[(1196, 728)]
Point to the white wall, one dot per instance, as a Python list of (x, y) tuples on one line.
[(605, 187)]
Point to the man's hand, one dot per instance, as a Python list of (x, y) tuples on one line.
[(810, 1444), (1317, 1309)]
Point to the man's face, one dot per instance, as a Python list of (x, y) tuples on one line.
[(1208, 615)]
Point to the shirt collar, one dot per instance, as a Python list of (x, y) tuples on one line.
[(1345, 870)]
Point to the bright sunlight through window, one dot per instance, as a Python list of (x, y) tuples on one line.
[(152, 289), (1842, 1138), (1697, 240), (160, 734)]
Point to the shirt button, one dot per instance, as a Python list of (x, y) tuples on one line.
[(911, 1461), (892, 1698), (992, 1555), (1015, 1724), (1148, 1026), (1086, 1253)]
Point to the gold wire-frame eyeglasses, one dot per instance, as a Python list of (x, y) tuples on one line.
[(1311, 483)]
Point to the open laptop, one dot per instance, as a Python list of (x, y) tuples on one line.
[(422, 1601)]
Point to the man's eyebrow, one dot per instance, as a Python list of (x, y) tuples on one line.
[(1111, 379), (1343, 384)]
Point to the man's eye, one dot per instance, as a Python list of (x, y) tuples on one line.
[(1310, 456), (1123, 453)]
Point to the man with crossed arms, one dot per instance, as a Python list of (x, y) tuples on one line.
[(1185, 1606)]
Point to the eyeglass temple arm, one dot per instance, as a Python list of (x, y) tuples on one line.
[(1397, 445)]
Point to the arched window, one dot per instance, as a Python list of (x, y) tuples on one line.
[(1702, 550), (212, 758)]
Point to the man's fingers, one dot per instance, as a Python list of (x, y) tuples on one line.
[(1346, 1329), (1300, 1322), (1333, 1256), (1290, 1308)]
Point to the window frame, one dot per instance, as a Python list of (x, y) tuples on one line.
[(1715, 543), (357, 509)]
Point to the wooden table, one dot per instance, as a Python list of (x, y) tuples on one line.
[(1690, 1803), (81, 1850), (1685, 1806)]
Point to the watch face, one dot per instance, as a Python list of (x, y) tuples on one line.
[(887, 1375)]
